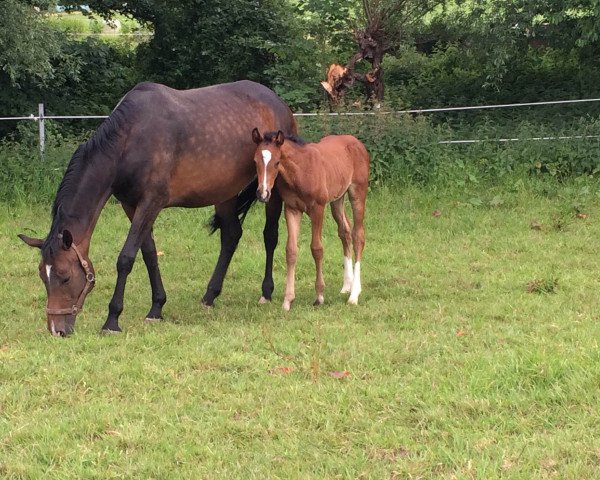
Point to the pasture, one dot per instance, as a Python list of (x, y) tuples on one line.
[(473, 352)]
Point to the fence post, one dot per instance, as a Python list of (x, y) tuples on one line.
[(42, 128)]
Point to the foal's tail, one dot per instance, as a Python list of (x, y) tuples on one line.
[(245, 200)]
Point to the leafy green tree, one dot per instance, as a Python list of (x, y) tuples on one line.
[(39, 64), (499, 33), (574, 22), (198, 43), (28, 47), (331, 23)]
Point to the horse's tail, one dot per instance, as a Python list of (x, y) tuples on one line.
[(245, 200)]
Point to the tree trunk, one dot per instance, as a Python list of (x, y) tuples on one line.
[(339, 79)]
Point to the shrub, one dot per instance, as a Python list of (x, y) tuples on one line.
[(405, 149)]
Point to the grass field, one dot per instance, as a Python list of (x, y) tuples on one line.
[(473, 352)]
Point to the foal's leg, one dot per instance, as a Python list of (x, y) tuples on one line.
[(141, 226), (316, 246), (339, 215), (231, 232), (358, 196), (148, 247), (293, 219), (270, 235)]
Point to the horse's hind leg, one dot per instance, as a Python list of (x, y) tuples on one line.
[(148, 247), (339, 215), (231, 232), (270, 235), (316, 246), (358, 196)]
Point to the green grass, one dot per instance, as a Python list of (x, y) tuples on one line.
[(457, 368)]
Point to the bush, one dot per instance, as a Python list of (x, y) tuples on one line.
[(406, 150), (25, 178)]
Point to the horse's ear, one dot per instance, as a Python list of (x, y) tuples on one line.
[(32, 242), (67, 239), (279, 139), (256, 136)]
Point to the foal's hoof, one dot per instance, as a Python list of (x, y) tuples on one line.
[(319, 301), (263, 301), (153, 320), (287, 304), (353, 301), (206, 305)]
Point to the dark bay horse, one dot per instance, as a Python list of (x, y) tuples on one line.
[(308, 177), (159, 148)]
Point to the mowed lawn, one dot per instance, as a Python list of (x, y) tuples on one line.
[(473, 352)]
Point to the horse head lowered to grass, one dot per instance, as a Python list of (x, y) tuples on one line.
[(159, 148), (308, 177)]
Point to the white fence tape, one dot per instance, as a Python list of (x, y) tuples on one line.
[(574, 137), (41, 118), (452, 109)]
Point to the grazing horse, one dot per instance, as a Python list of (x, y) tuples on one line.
[(308, 177), (159, 148)]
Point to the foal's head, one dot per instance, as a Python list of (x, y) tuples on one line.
[(267, 159), (67, 276)]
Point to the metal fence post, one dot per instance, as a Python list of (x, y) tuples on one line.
[(42, 128)]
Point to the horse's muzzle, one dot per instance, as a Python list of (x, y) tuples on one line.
[(61, 325), (263, 196)]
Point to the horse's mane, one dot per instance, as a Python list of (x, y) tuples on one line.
[(270, 137), (102, 140)]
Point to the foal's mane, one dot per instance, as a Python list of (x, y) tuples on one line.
[(270, 137), (102, 140)]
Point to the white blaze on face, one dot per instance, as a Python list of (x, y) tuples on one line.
[(266, 159), (48, 270)]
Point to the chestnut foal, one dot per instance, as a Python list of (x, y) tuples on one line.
[(309, 176)]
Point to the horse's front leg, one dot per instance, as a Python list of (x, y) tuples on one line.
[(148, 247), (293, 219), (141, 226), (270, 235), (231, 232), (316, 246)]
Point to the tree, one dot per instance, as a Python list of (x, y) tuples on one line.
[(197, 43), (498, 33), (386, 24), (27, 45)]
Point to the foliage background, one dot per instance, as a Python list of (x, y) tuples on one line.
[(462, 52)]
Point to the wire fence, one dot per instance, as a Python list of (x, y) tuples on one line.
[(41, 118)]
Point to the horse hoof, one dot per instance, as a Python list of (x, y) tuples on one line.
[(287, 305), (319, 301), (152, 320), (353, 301), (263, 301), (106, 332)]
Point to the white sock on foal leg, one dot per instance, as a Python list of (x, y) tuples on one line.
[(356, 287), (348, 275)]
